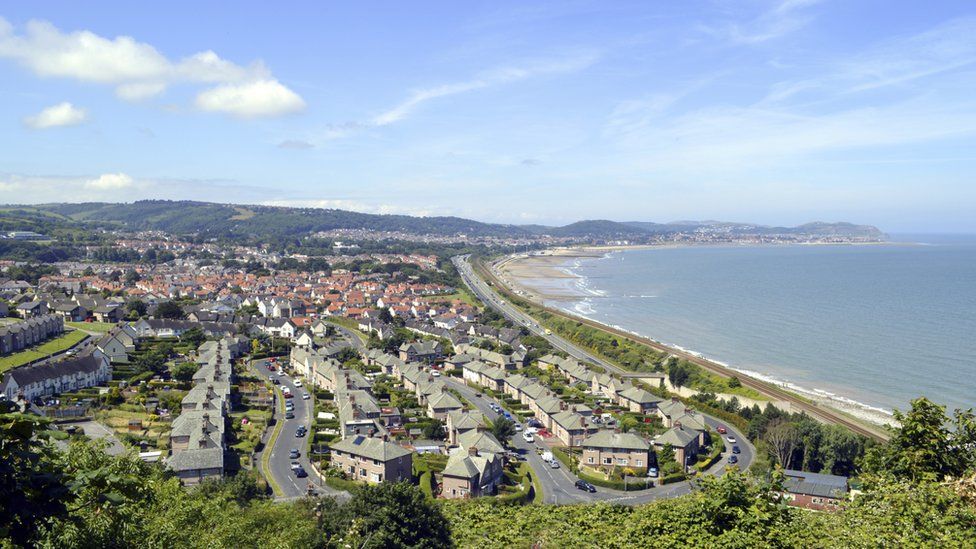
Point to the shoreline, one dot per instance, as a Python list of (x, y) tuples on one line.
[(515, 269)]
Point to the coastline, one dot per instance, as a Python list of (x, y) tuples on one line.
[(521, 273)]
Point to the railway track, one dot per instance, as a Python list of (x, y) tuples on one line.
[(769, 390)]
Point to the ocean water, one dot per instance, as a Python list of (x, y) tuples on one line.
[(872, 326)]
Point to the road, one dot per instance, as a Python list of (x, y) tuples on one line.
[(280, 464)]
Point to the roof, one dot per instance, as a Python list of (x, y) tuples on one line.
[(191, 460), (27, 375), (464, 465), (444, 400), (815, 484), (482, 440), (679, 437), (609, 439), (636, 394), (371, 448)]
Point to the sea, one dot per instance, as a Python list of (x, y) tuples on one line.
[(865, 327)]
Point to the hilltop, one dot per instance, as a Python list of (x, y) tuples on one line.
[(212, 219)]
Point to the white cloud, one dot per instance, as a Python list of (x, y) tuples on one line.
[(355, 206), (260, 98), (483, 80), (137, 70), (62, 114), (779, 19), (110, 181)]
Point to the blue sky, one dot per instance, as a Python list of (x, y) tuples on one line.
[(776, 112)]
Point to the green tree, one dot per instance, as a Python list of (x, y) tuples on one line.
[(679, 373), (503, 429), (169, 309), (433, 430), (183, 372), (137, 308), (395, 515)]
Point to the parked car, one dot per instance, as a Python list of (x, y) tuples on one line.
[(300, 472), (736, 450), (435, 373), (733, 459), (298, 383), (585, 486), (518, 427), (294, 453), (300, 432), (289, 395), (731, 439), (305, 396), (289, 415), (528, 437), (652, 472), (722, 430), (554, 464), (275, 381)]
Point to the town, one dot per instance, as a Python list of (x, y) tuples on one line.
[(372, 367)]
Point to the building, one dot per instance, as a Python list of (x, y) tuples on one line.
[(814, 490), (683, 441), (470, 473), (607, 449), (638, 400), (373, 460), (30, 382)]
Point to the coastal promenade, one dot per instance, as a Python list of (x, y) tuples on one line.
[(493, 292)]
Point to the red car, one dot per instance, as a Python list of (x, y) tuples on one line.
[(721, 430)]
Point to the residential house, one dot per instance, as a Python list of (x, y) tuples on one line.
[(373, 460), (607, 450), (470, 473), (814, 490)]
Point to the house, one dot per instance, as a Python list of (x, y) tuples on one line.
[(426, 351), (460, 422), (71, 311), (30, 382), (305, 339), (638, 400), (114, 347), (108, 313), (482, 440), (193, 466), (682, 440), (571, 428), (373, 460), (671, 410), (607, 449), (470, 473), (814, 490), (32, 309), (440, 405)]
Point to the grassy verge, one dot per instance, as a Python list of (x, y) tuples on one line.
[(62, 343), (351, 324), (100, 327), (266, 454)]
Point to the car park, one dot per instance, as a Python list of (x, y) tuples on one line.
[(585, 486)]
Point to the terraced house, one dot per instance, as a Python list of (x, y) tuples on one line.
[(607, 450), (30, 382), (21, 335), (373, 460)]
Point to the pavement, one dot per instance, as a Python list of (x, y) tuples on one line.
[(279, 463), (98, 431), (558, 484)]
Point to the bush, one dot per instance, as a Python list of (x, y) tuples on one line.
[(674, 477), (630, 486)]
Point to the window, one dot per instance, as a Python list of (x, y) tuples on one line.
[(589, 459), (608, 461), (639, 462), (362, 472), (621, 461)]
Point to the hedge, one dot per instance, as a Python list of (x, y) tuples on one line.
[(566, 459), (351, 486), (616, 484), (674, 477)]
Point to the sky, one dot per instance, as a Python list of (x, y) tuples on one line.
[(775, 111)]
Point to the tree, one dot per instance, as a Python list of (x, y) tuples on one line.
[(183, 372), (433, 430), (131, 277), (927, 446), (169, 309), (782, 437), (136, 308), (678, 373), (734, 382), (385, 316), (194, 336), (395, 515), (503, 429)]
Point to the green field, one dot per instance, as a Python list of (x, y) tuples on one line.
[(66, 341), (100, 327)]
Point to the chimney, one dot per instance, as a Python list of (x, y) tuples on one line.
[(386, 437), (677, 424), (674, 399), (472, 451)]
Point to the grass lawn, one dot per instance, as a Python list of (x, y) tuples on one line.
[(59, 344), (100, 327), (461, 295), (350, 323)]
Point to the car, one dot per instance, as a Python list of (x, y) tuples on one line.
[(281, 373), (585, 486), (294, 453), (652, 472), (722, 430), (731, 439), (300, 472), (518, 427), (554, 464), (305, 396), (298, 383), (300, 432), (296, 465), (275, 381), (736, 450), (733, 459), (289, 415), (528, 437), (479, 395), (288, 395)]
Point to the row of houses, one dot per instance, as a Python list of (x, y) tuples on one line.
[(197, 438), (21, 335), (27, 383)]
